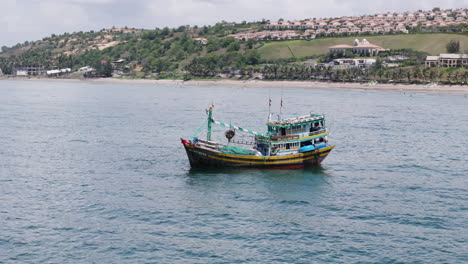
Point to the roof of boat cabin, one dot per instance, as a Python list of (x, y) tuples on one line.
[(296, 121)]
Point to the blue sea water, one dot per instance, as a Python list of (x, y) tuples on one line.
[(95, 173)]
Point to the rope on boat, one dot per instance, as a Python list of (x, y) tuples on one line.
[(199, 129), (238, 128)]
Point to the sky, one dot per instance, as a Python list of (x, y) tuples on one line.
[(27, 20)]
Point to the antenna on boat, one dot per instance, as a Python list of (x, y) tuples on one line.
[(269, 109), (281, 103)]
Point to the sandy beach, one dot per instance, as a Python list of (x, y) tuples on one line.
[(458, 89)]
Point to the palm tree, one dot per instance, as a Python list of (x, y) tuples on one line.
[(425, 74), (400, 74), (387, 75), (432, 75), (440, 75), (328, 72), (381, 73), (449, 77), (408, 76), (417, 73), (456, 77)]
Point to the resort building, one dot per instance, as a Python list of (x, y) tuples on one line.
[(28, 70), (352, 63), (447, 61), (360, 47)]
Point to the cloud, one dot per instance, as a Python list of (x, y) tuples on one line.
[(22, 20), (36, 19)]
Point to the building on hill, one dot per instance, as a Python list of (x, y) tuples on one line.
[(57, 72), (359, 47), (447, 60), (342, 48), (432, 61), (29, 70), (202, 41), (353, 63)]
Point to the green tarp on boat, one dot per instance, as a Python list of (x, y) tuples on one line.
[(237, 151)]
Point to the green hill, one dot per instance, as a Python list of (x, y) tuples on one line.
[(430, 43)]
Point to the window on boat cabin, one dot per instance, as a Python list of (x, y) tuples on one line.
[(279, 146), (288, 146), (316, 126), (306, 143)]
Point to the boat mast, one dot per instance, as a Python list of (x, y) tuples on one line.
[(269, 109), (210, 122)]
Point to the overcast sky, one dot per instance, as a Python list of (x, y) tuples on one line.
[(22, 20)]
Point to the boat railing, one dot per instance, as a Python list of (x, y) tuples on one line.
[(283, 138), (209, 144)]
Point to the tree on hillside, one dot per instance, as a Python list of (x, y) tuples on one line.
[(378, 63), (453, 46), (107, 69), (250, 43), (234, 46), (213, 45), (225, 42)]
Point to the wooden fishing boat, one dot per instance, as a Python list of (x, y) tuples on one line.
[(289, 143)]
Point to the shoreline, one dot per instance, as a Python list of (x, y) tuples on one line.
[(452, 89)]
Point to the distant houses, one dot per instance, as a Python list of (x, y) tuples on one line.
[(447, 61), (386, 23), (58, 72), (274, 35), (379, 23)]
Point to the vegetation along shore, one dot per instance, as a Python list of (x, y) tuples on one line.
[(421, 48)]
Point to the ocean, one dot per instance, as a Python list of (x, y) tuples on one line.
[(96, 173)]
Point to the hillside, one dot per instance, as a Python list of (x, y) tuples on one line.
[(148, 51), (231, 47), (430, 43)]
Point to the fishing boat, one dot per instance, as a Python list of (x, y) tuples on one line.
[(287, 144)]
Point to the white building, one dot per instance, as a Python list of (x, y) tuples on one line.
[(21, 73), (86, 69), (57, 72), (352, 63), (360, 47), (447, 60)]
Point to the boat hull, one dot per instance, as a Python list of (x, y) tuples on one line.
[(205, 157)]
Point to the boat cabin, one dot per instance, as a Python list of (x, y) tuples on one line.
[(289, 136)]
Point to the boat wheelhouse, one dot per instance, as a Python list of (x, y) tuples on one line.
[(288, 143)]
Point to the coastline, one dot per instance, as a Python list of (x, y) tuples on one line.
[(453, 89)]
